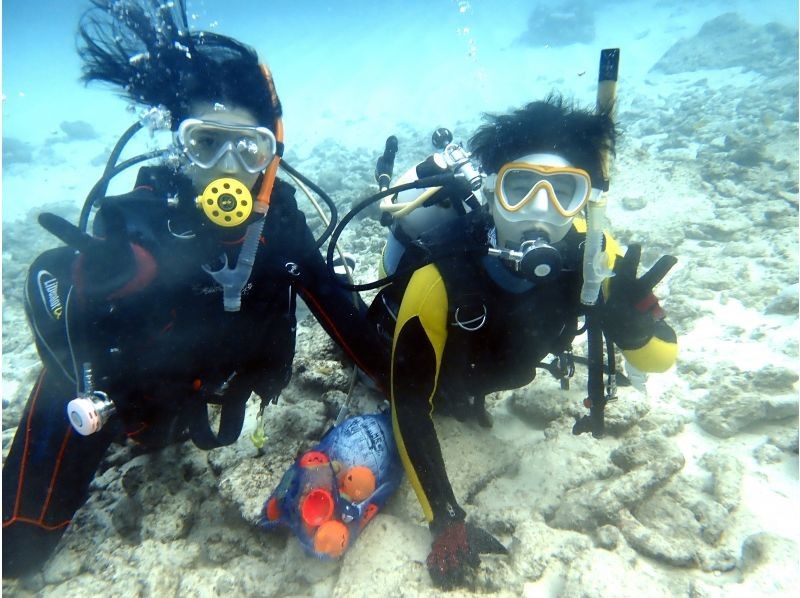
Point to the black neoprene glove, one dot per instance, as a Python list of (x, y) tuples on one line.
[(455, 552), (105, 265), (631, 310)]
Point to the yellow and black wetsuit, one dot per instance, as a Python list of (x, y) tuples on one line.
[(435, 362)]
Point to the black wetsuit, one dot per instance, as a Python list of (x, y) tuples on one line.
[(161, 351)]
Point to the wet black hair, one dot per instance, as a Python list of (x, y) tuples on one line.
[(145, 48), (549, 126)]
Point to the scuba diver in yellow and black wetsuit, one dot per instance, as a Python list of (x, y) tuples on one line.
[(185, 293), (486, 275)]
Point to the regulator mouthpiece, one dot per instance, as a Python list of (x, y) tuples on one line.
[(540, 261), (536, 260), (226, 202)]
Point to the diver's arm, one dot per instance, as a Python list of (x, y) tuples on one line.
[(632, 316), (418, 346), (108, 267)]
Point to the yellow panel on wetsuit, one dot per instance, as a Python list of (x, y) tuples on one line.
[(425, 297), (425, 302)]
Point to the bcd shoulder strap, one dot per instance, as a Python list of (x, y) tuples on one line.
[(455, 248)]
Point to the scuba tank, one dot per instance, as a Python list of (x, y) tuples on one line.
[(411, 213), (436, 191)]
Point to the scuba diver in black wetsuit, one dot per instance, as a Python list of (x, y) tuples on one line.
[(490, 273), (171, 304)]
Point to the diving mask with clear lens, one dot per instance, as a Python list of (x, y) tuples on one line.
[(205, 143)]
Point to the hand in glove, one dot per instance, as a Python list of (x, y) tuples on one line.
[(631, 311), (455, 551), (106, 268)]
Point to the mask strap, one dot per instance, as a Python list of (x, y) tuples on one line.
[(268, 182)]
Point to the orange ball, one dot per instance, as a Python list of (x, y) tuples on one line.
[(357, 483), (332, 539)]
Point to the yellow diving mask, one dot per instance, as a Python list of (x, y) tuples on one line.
[(226, 202), (567, 188)]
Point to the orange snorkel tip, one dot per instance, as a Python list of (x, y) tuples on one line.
[(268, 182)]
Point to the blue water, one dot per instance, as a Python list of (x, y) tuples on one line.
[(350, 70)]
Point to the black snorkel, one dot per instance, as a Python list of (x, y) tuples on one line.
[(599, 392), (385, 164)]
